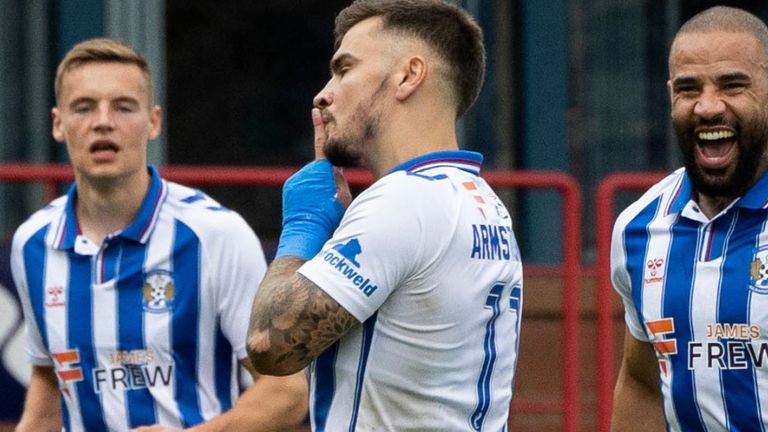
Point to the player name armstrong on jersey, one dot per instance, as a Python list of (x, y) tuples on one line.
[(425, 258), (494, 242), (697, 290)]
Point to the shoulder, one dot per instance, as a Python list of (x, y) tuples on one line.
[(405, 190), (52, 213), (404, 206), (202, 214), (657, 195)]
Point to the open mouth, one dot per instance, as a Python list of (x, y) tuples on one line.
[(104, 146), (716, 147)]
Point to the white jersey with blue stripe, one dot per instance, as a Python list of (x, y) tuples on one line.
[(149, 326), (427, 261), (697, 290)]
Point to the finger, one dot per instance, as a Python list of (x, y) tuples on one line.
[(320, 136), (343, 193)]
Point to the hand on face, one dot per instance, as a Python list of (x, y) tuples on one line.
[(343, 193)]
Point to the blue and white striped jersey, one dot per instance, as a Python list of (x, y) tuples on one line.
[(149, 326), (427, 261), (697, 290)]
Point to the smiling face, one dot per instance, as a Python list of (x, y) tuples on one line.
[(105, 118), (354, 101), (719, 90)]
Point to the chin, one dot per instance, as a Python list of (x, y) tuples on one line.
[(341, 156)]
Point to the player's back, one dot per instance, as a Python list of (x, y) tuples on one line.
[(437, 350)]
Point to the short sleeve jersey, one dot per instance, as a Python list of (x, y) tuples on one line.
[(697, 290), (149, 326), (427, 261)]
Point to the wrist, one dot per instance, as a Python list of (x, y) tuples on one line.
[(302, 238), (311, 211)]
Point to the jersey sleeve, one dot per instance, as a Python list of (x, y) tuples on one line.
[(622, 283), (37, 353), (381, 241), (239, 267)]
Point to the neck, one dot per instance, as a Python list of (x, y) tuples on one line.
[(103, 209), (410, 135), (712, 206)]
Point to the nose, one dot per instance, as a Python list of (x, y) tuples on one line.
[(709, 105), (104, 120), (323, 99)]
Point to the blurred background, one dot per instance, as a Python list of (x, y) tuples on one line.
[(575, 86)]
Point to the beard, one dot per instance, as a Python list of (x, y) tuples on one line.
[(734, 180), (347, 148)]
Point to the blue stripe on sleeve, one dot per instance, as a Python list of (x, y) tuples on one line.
[(636, 243), (34, 260), (66, 422), (186, 273), (223, 372), (324, 386), (80, 336), (368, 326), (738, 384), (677, 304), (130, 326)]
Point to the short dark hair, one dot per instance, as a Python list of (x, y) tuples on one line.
[(101, 50), (727, 19), (447, 29)]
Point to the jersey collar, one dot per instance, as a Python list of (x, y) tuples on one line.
[(755, 198), (464, 160), (139, 230)]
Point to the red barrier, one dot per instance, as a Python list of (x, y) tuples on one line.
[(605, 216), (568, 406)]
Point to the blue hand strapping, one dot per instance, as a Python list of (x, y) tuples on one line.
[(311, 210)]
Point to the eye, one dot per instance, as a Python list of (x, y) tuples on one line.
[(734, 86), (81, 108), (686, 90), (126, 108)]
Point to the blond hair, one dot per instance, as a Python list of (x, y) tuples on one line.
[(101, 50)]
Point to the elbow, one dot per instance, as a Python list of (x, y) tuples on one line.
[(269, 359), (269, 365), (263, 364)]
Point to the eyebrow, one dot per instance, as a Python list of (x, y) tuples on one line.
[(726, 77), (734, 76), (126, 99), (685, 80), (90, 100), (337, 62)]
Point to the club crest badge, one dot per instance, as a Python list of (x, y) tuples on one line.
[(158, 292), (758, 271)]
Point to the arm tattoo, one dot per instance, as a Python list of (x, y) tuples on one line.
[(292, 320)]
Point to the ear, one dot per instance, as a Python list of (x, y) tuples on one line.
[(669, 88), (56, 131), (669, 91), (155, 122), (414, 74)]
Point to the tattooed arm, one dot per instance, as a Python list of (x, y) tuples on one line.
[(292, 320)]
